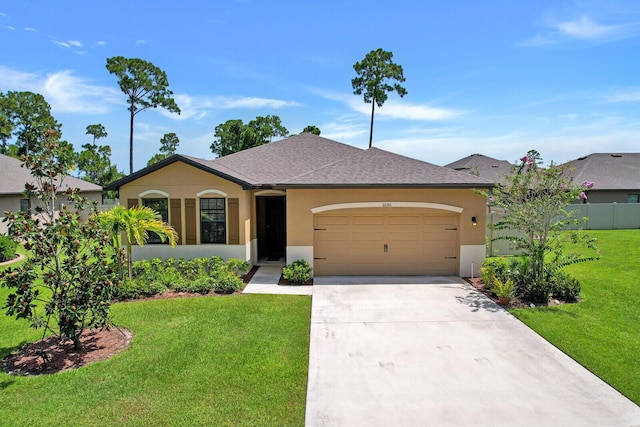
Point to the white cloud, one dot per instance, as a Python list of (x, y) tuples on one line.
[(65, 92), (11, 28), (101, 43), (197, 107), (62, 44), (76, 43), (585, 28), (141, 42), (30, 29), (392, 108), (628, 95), (582, 28)]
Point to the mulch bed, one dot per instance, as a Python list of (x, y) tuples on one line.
[(49, 356), (477, 283), (285, 282)]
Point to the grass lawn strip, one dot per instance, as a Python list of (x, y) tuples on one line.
[(603, 331)]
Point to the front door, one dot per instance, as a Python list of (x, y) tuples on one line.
[(272, 226)]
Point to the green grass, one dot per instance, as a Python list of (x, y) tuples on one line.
[(233, 360), (603, 331)]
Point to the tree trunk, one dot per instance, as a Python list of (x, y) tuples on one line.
[(131, 143), (373, 106)]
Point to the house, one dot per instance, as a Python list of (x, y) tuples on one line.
[(616, 176), (482, 166), (13, 177), (345, 210)]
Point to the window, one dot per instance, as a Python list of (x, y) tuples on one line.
[(162, 207), (633, 198), (212, 221), (25, 206)]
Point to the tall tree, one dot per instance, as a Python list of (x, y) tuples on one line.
[(267, 127), (233, 135), (311, 129), (168, 145), (145, 85), (375, 75), (98, 131), (6, 121), (28, 116)]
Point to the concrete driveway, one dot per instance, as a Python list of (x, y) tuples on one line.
[(438, 353)]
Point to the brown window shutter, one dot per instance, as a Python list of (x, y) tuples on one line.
[(233, 218), (190, 220), (131, 203), (175, 217)]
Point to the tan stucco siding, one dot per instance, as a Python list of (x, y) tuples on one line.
[(300, 203), (181, 181)]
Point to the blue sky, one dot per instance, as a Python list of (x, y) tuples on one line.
[(490, 77)]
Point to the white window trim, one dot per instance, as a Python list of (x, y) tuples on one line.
[(159, 192), (212, 191), (387, 204)]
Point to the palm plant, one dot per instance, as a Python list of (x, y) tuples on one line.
[(136, 222)]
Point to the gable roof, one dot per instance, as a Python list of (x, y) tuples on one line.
[(483, 166), (13, 177), (308, 160), (609, 171)]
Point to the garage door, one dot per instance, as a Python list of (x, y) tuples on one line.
[(414, 243)]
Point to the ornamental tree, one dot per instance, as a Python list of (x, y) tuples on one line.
[(534, 201), (67, 281)]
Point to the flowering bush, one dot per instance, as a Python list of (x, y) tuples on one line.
[(534, 199)]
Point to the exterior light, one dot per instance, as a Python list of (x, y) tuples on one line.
[(474, 221)]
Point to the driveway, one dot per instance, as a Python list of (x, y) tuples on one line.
[(433, 351)]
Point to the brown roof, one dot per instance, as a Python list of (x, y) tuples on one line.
[(308, 160), (13, 177), (609, 171), (483, 166)]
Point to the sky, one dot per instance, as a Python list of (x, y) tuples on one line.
[(495, 77)]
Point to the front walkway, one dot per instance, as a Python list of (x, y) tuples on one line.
[(265, 281), (440, 353)]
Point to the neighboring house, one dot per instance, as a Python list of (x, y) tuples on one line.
[(13, 177), (616, 176), (482, 166), (345, 210)]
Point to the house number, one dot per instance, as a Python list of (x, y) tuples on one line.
[(386, 204)]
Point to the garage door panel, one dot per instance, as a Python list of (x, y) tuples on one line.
[(367, 220), (404, 220), (332, 220)]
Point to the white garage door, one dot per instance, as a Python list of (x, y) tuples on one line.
[(381, 243)]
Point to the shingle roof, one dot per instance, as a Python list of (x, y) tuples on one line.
[(308, 160), (376, 167), (609, 171), (13, 177), (483, 166)]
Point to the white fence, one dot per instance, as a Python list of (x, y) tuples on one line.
[(600, 216)]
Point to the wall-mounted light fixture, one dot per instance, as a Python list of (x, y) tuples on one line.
[(474, 221)]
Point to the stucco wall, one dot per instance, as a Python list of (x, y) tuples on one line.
[(181, 181), (300, 203)]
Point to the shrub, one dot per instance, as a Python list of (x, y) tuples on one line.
[(136, 288), (227, 283), (239, 267), (297, 272), (504, 289), (493, 268), (565, 287), (7, 248), (201, 285)]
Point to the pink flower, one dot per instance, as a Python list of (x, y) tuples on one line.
[(583, 196), (588, 184)]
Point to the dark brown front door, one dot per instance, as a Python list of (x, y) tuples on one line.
[(272, 226)]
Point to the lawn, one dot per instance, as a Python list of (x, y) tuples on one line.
[(603, 331), (233, 360)]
